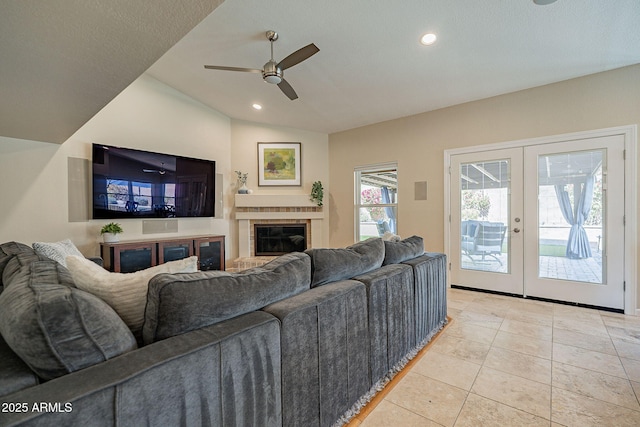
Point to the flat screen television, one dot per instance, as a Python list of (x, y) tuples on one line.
[(131, 183)]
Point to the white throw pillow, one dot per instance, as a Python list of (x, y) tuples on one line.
[(58, 251), (126, 293)]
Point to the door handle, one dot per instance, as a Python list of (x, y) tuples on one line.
[(516, 230)]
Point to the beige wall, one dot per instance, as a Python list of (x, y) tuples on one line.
[(418, 142), (152, 116), (148, 115), (244, 157)]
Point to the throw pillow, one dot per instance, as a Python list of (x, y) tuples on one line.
[(397, 252), (125, 292), (331, 265), (56, 329), (7, 251), (17, 265), (58, 251)]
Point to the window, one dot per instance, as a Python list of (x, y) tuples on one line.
[(134, 196), (376, 201)]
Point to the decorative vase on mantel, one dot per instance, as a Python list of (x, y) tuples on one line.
[(242, 182)]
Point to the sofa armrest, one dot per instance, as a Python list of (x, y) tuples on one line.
[(430, 290), (225, 373), (391, 317)]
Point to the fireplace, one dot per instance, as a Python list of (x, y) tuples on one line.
[(251, 209), (278, 239)]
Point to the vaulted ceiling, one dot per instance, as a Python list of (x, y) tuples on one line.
[(63, 60)]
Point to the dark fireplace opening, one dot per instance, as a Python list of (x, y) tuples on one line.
[(278, 239)]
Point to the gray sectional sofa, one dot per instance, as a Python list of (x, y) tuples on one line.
[(304, 340)]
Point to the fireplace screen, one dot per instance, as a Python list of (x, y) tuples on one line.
[(278, 239)]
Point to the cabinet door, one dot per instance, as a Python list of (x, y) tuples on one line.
[(174, 250), (131, 257), (210, 253)]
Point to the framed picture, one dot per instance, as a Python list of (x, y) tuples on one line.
[(279, 163)]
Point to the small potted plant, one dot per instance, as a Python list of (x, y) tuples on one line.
[(110, 232), (317, 193)]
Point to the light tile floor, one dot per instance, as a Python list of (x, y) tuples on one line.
[(513, 362)]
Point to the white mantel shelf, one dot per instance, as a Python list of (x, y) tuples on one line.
[(273, 201)]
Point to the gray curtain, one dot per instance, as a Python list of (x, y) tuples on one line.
[(389, 211), (578, 243)]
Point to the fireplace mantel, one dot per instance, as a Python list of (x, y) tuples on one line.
[(251, 208), (273, 201)]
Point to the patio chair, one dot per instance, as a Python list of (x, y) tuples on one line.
[(383, 227), (482, 238)]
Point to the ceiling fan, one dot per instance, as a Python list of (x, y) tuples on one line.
[(160, 171), (272, 71)]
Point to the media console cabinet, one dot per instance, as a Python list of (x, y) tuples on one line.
[(133, 255)]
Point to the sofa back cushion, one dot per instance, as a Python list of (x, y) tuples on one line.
[(178, 303), (56, 329), (403, 250), (330, 265)]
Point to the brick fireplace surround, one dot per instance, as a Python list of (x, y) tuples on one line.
[(274, 209)]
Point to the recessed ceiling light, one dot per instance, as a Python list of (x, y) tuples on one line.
[(428, 39), (257, 106)]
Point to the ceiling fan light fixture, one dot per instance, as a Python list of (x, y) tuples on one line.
[(273, 79), (543, 2)]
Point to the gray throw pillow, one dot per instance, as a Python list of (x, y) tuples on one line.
[(397, 252), (18, 265), (7, 251), (57, 329), (58, 251), (178, 303), (331, 265)]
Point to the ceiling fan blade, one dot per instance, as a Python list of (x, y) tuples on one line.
[(286, 88), (298, 56), (246, 70)]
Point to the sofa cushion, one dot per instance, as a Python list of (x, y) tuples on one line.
[(58, 251), (7, 251), (331, 265), (181, 303), (56, 329), (126, 293), (397, 252)]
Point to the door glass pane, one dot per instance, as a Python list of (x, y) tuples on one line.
[(484, 204), (570, 214)]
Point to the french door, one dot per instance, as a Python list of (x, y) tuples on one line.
[(541, 220)]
